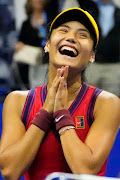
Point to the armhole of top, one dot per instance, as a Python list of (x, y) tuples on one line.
[(27, 105), (90, 116)]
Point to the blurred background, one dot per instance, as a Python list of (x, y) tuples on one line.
[(103, 73)]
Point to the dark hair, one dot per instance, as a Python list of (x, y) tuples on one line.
[(29, 8)]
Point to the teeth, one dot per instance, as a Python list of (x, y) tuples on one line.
[(69, 49)]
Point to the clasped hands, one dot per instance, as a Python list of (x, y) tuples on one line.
[(55, 106), (57, 95)]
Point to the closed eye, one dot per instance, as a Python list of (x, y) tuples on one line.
[(63, 30), (83, 35)]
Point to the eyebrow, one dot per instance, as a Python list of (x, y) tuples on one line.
[(81, 29)]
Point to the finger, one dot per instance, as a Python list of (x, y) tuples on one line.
[(58, 73), (63, 84), (56, 81), (61, 72), (65, 72)]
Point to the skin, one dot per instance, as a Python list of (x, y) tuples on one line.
[(16, 146), (38, 4)]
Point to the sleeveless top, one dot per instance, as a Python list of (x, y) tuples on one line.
[(50, 156)]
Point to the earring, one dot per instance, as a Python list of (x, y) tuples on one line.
[(92, 61), (45, 50)]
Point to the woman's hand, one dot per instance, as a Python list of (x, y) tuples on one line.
[(62, 92), (50, 99)]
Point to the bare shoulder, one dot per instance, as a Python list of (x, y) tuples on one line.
[(107, 104), (16, 100), (107, 97)]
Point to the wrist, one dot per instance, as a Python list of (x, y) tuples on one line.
[(62, 119), (43, 120), (64, 129)]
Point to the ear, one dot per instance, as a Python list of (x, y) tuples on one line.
[(92, 58), (46, 48)]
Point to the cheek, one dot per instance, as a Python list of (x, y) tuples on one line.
[(87, 48), (55, 40), (54, 44), (85, 56), (86, 53), (56, 37)]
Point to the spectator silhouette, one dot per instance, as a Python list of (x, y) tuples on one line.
[(109, 21), (33, 32)]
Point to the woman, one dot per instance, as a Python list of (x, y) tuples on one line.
[(67, 125), (33, 32)]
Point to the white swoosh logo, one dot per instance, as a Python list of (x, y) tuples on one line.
[(58, 119)]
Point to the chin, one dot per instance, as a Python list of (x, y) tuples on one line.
[(63, 60)]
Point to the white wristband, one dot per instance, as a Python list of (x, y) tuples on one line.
[(68, 128)]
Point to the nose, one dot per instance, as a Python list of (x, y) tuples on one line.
[(71, 38)]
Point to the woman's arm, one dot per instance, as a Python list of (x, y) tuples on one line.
[(18, 147), (88, 157)]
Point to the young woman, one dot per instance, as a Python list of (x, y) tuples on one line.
[(65, 125)]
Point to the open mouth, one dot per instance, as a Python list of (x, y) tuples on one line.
[(68, 51)]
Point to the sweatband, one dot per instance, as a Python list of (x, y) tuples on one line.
[(62, 119), (42, 120)]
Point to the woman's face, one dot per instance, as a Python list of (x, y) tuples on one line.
[(38, 4), (71, 44)]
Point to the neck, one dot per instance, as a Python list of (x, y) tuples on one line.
[(73, 82)]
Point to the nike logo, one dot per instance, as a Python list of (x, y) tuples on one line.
[(58, 119)]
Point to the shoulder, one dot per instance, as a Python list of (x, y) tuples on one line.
[(107, 103), (105, 97), (26, 23), (17, 94), (15, 100)]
